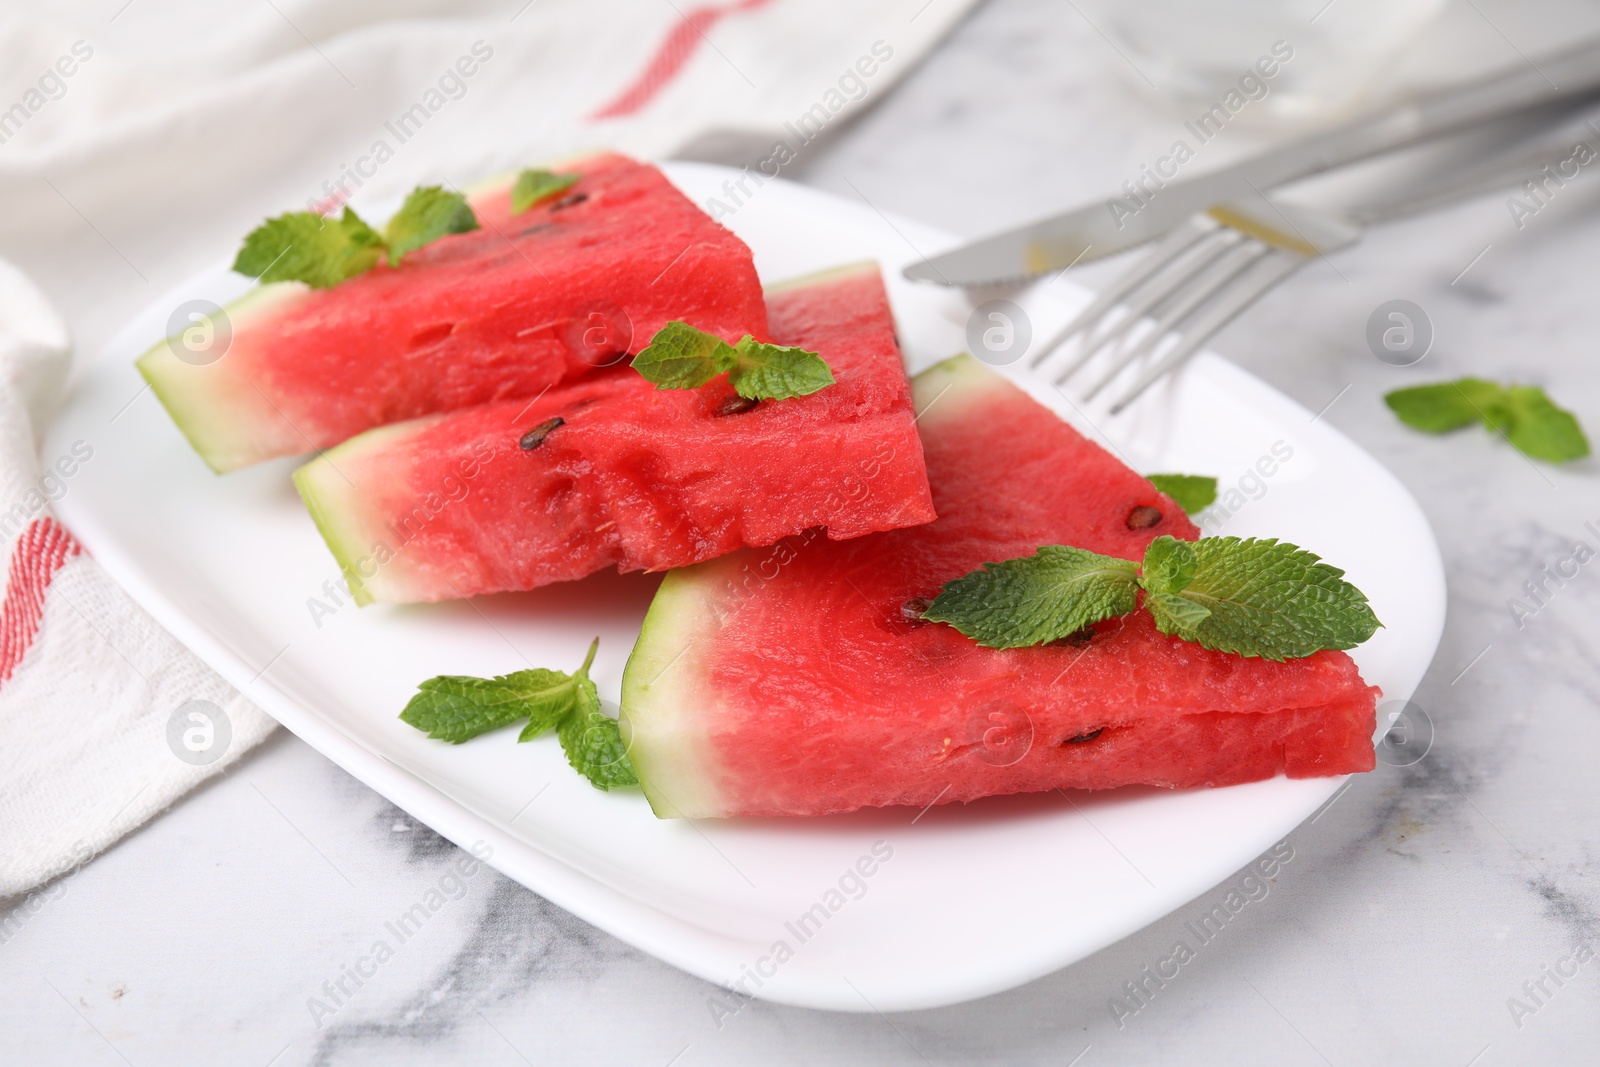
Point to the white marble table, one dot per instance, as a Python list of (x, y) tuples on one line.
[(1414, 908)]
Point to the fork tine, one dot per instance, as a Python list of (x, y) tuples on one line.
[(1267, 272), (1173, 245), (1173, 277), (1184, 304), (1238, 260)]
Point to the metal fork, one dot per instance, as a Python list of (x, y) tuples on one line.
[(1207, 271)]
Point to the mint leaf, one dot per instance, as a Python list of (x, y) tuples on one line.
[(594, 747), (776, 372), (1259, 598), (1169, 565), (547, 707), (533, 186), (1445, 406), (682, 357), (427, 215), (1034, 599), (1191, 492), (303, 246), (455, 708), (1527, 418), (1537, 428)]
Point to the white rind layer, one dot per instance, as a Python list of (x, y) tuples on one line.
[(665, 701)]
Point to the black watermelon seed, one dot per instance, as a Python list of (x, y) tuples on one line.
[(736, 405), (1143, 517), (1084, 738), (535, 437), (913, 609), (569, 201), (1079, 638)]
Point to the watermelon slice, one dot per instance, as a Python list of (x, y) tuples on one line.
[(608, 470), (820, 690), (504, 311)]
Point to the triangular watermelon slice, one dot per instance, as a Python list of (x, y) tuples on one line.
[(820, 690), (609, 470), (506, 310)]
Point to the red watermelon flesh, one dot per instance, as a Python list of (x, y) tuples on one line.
[(813, 688), (504, 311), (633, 477)]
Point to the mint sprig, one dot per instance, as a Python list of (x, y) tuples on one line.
[(1191, 492), (457, 708), (533, 186), (303, 246), (1255, 598), (680, 356), (1528, 419)]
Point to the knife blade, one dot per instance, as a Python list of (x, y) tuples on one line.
[(1093, 230)]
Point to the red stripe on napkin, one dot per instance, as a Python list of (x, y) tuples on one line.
[(670, 58), (41, 550)]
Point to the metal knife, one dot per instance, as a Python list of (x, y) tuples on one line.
[(1092, 230)]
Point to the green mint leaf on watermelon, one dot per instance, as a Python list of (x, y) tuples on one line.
[(455, 708), (1039, 598), (1169, 565), (776, 372), (303, 246), (1258, 598), (428, 214), (1255, 598), (533, 186), (1527, 418), (680, 356), (594, 746), (1191, 492)]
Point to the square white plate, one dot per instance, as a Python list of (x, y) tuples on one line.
[(971, 900)]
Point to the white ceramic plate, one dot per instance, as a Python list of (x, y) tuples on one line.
[(971, 900)]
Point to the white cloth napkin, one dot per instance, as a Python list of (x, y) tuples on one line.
[(139, 146), (87, 679)]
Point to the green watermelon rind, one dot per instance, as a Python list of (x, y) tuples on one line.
[(662, 698), (842, 271), (663, 694), (327, 497), (207, 403), (961, 376)]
